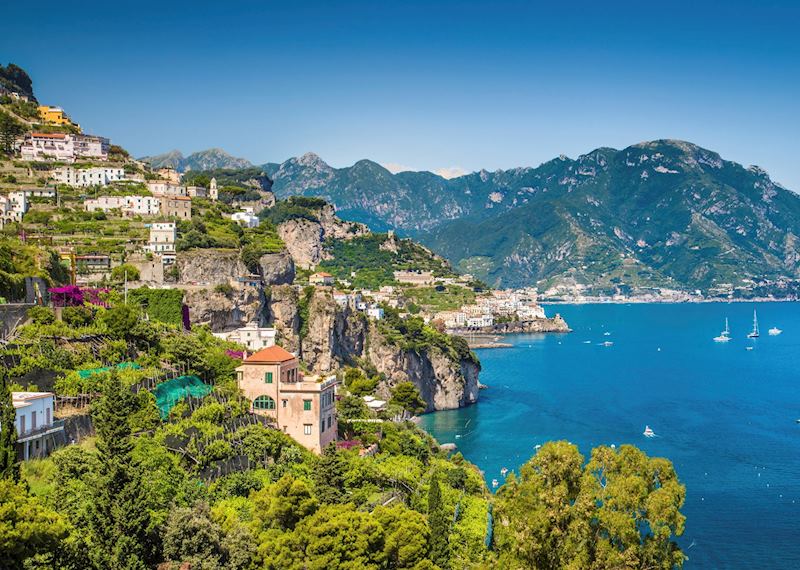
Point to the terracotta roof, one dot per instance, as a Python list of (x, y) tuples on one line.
[(322, 274), (271, 355), (49, 135)]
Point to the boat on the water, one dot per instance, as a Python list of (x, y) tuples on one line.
[(504, 471), (648, 432), (774, 331), (725, 335), (607, 343), (754, 333), (495, 482)]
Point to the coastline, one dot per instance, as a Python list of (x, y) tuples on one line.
[(652, 301)]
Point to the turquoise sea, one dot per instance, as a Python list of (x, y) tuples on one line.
[(724, 415)]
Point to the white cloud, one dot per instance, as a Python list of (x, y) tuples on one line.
[(394, 167), (451, 172)]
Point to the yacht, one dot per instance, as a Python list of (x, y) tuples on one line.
[(648, 432), (495, 482), (504, 471), (725, 335), (775, 331), (754, 333)]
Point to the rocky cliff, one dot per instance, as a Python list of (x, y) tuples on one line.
[(333, 336), (305, 238), (224, 311)]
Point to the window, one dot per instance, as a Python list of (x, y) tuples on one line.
[(306, 405), (264, 403), (330, 421), (285, 403), (307, 429), (268, 378)]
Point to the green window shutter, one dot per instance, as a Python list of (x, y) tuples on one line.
[(306, 405), (268, 378)]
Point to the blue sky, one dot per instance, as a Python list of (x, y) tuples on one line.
[(427, 85)]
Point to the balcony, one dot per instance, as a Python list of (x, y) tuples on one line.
[(27, 435)]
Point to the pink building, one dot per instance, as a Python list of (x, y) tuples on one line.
[(303, 407)]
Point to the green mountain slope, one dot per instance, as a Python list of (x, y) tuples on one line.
[(663, 214)]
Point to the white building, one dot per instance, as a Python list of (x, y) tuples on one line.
[(166, 188), (82, 177), (246, 219), (142, 205), (252, 336), (452, 319), (13, 206), (128, 205), (375, 312), (37, 431), (62, 147), (162, 237), (480, 322)]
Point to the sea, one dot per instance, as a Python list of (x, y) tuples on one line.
[(727, 417)]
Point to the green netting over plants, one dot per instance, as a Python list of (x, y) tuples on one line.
[(121, 366), (173, 391)]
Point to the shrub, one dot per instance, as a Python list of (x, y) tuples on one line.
[(41, 315)]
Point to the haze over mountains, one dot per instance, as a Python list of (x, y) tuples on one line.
[(657, 214)]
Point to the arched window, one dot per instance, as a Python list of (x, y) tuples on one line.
[(264, 403)]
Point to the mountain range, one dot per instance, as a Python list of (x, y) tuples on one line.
[(201, 160), (663, 214)]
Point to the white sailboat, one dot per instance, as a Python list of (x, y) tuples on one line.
[(775, 331), (648, 432), (754, 333), (725, 335)]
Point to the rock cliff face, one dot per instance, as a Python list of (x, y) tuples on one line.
[(305, 238), (277, 268), (443, 383), (223, 312), (283, 311), (209, 266), (337, 336)]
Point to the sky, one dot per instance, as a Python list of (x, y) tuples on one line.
[(450, 86)]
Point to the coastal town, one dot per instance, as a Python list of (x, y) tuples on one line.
[(118, 226)]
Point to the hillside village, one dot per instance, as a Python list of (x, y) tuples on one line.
[(223, 354)]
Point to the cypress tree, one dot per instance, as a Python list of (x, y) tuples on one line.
[(119, 518), (440, 528), (9, 468), (329, 476)]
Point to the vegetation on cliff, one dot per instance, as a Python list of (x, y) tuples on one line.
[(375, 257)]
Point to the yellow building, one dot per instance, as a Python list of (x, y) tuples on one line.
[(54, 115)]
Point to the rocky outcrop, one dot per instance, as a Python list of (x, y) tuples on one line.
[(209, 266), (283, 312), (305, 239), (444, 383), (555, 324), (335, 336), (224, 311), (276, 268)]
